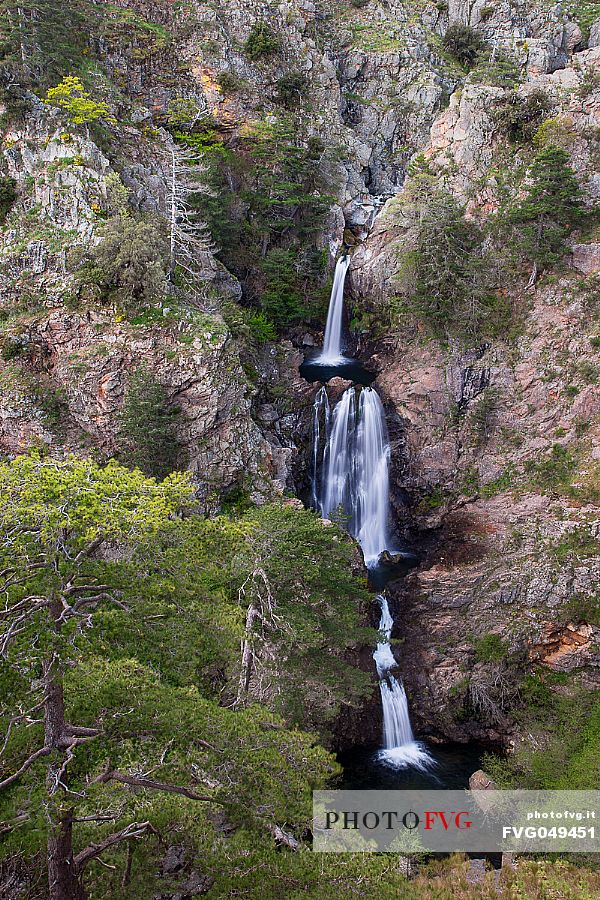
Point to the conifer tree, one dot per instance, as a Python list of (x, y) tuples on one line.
[(148, 426), (550, 208)]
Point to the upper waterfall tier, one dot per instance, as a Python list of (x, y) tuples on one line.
[(332, 345)]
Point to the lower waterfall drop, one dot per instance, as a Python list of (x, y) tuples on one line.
[(400, 747)]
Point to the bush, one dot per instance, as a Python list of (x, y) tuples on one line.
[(147, 426), (229, 83), (129, 264), (71, 96), (262, 42), (281, 300), (8, 195), (464, 44), (490, 648), (183, 112), (290, 88), (500, 71), (556, 471), (581, 608), (521, 116), (11, 347), (261, 329)]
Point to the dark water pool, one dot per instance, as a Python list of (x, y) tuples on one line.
[(364, 769), (381, 574), (349, 369)]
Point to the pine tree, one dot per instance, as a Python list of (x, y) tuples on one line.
[(551, 207), (148, 426), (42, 40)]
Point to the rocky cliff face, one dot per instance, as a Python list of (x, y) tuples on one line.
[(495, 448), (504, 519)]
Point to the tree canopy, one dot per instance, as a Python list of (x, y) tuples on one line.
[(129, 714)]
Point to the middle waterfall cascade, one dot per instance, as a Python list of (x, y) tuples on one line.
[(355, 471)]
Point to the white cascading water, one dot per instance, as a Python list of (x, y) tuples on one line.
[(372, 494), (353, 483), (355, 474), (400, 747), (337, 487), (332, 344), (321, 419)]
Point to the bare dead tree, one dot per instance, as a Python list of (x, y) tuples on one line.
[(259, 658), (190, 245)]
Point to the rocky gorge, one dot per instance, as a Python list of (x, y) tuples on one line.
[(493, 422)]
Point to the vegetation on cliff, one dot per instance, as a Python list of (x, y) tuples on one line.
[(174, 179)]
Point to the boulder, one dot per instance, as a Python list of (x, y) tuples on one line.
[(586, 258)]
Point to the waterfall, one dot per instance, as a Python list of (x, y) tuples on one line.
[(355, 473), (321, 412), (352, 484), (332, 345), (372, 477), (400, 747), (337, 492)]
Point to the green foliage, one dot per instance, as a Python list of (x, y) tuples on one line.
[(520, 116), (229, 82), (447, 276), (148, 426), (11, 347), (291, 88), (262, 42), (129, 264), (8, 195), (504, 482), (183, 112), (555, 471), (152, 684), (320, 601), (496, 69), (550, 209), (40, 40), (490, 648), (71, 96), (281, 300), (266, 214), (577, 543), (581, 608), (261, 328), (567, 728), (464, 44), (433, 500)]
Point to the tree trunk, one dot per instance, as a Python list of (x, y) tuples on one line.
[(247, 655), (63, 882)]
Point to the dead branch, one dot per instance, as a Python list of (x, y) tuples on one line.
[(134, 830), (43, 751), (151, 784)]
